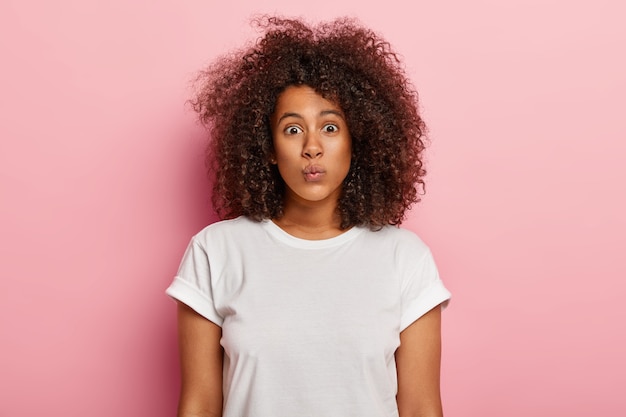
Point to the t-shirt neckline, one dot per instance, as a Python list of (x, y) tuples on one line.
[(277, 232)]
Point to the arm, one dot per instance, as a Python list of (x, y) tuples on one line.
[(418, 361), (201, 359)]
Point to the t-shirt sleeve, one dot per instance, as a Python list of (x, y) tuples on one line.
[(192, 283), (422, 290)]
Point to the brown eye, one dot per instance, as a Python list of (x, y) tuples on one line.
[(330, 128), (292, 130)]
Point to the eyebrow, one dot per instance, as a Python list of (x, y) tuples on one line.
[(299, 116)]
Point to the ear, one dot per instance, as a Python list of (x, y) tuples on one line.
[(272, 159)]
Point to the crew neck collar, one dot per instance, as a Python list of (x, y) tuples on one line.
[(276, 231)]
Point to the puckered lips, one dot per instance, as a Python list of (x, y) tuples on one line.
[(313, 173)]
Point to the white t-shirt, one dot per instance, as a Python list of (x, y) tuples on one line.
[(309, 327)]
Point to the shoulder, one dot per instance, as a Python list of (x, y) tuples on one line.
[(231, 236), (226, 229), (225, 235), (402, 248), (398, 238)]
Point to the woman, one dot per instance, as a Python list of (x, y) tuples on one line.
[(307, 299)]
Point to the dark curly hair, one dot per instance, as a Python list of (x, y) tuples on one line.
[(343, 62)]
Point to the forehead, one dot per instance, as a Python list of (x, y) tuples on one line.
[(302, 97)]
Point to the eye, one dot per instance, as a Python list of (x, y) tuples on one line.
[(330, 128), (292, 130)]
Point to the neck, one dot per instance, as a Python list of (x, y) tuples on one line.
[(310, 221)]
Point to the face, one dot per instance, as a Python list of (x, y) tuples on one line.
[(312, 146)]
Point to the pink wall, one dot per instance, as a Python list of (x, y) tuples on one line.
[(102, 186)]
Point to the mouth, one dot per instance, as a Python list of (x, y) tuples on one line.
[(313, 173)]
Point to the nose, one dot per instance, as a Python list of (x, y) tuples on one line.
[(312, 147)]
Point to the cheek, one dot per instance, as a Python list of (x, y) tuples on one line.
[(347, 152), (281, 152), (284, 160), (345, 160)]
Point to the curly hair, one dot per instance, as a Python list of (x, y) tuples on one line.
[(344, 63)]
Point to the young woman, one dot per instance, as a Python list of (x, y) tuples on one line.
[(307, 299)]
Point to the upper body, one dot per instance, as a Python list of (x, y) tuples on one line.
[(309, 327), (310, 300)]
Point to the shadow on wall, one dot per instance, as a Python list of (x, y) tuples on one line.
[(193, 211)]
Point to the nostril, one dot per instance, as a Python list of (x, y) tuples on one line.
[(314, 154)]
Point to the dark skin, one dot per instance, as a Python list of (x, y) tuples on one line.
[(310, 131), (201, 361), (343, 62)]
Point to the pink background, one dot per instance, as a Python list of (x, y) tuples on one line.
[(102, 185)]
